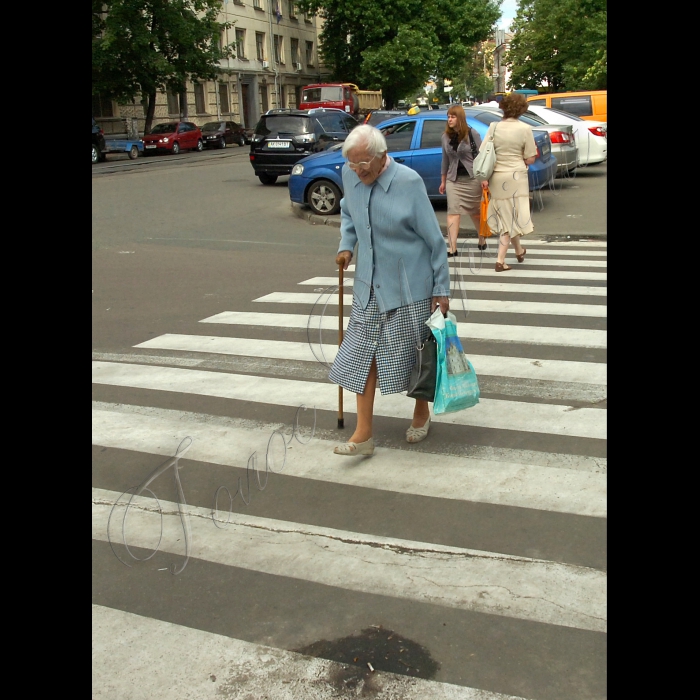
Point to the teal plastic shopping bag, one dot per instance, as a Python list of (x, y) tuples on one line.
[(456, 387)]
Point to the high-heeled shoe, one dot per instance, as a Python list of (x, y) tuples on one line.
[(481, 246), (350, 449)]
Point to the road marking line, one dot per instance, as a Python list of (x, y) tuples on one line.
[(488, 305), (515, 367), (544, 418), (531, 335), (453, 577), (450, 477), (472, 283)]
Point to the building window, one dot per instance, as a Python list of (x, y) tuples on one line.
[(263, 99), (222, 40), (292, 9), (173, 103), (260, 45), (283, 101), (279, 56), (308, 17), (102, 107), (223, 98), (240, 43), (257, 4), (199, 103), (295, 51), (309, 53)]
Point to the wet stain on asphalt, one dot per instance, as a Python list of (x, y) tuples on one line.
[(374, 649)]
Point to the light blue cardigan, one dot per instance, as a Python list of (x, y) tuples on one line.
[(400, 248)]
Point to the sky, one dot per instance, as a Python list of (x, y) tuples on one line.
[(508, 10)]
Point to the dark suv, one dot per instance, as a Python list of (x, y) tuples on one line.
[(283, 137), (98, 142)]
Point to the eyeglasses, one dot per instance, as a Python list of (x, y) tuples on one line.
[(363, 165)]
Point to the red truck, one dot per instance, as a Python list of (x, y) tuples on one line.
[(345, 96)]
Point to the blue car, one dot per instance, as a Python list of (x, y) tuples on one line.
[(413, 140)]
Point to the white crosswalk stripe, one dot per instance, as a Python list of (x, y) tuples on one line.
[(494, 287), (520, 307), (532, 578)]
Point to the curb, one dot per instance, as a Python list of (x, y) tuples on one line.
[(314, 219), (301, 213)]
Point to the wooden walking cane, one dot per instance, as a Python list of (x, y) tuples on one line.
[(341, 422)]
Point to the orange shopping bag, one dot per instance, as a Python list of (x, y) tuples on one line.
[(484, 229)]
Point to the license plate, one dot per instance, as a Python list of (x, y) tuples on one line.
[(278, 144), (150, 146)]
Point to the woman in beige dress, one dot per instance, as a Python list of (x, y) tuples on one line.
[(509, 207)]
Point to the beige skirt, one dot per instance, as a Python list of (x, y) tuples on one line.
[(463, 195), (509, 208)]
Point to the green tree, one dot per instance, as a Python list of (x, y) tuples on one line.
[(476, 72), (559, 43), (395, 46), (140, 47)]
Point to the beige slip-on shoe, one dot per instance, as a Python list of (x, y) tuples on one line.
[(350, 449)]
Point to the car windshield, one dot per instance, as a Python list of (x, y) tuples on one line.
[(213, 126), (379, 117), (164, 129), (558, 112), (274, 124), (324, 94)]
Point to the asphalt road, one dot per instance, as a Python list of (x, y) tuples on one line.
[(482, 550)]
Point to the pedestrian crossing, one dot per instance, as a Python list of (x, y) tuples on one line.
[(483, 546)]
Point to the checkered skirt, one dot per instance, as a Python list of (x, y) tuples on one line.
[(391, 337)]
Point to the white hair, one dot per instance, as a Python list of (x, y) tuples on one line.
[(365, 135)]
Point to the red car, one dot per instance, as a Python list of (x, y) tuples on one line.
[(173, 137)]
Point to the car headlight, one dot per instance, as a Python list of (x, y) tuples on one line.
[(297, 169), (165, 140), (305, 138)]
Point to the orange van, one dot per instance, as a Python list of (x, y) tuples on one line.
[(591, 104)]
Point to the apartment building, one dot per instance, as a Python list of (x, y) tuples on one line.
[(276, 53)]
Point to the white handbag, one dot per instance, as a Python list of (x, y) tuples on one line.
[(485, 162)]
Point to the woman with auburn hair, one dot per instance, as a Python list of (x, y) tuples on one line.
[(460, 145), (509, 206)]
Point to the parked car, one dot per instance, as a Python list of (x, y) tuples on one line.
[(283, 138), (173, 137), (220, 134), (381, 115), (561, 136), (415, 141), (588, 104), (591, 136), (98, 142)]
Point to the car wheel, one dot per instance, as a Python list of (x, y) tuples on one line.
[(267, 179), (95, 154), (134, 152), (324, 197), (176, 148), (200, 145), (222, 143), (241, 140)]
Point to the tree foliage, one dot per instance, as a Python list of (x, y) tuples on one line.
[(395, 46), (140, 47), (559, 43)]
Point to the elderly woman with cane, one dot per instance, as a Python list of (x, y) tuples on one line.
[(401, 277)]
